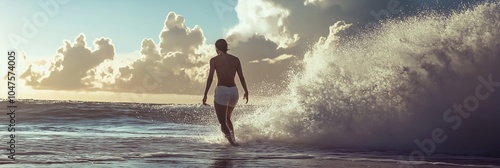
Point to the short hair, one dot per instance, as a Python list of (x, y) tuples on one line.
[(221, 44)]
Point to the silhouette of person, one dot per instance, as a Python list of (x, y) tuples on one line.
[(226, 94)]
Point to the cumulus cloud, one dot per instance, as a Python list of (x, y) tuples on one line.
[(71, 64), (264, 18), (173, 66)]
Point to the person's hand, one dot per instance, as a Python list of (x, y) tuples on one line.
[(246, 97), (205, 100)]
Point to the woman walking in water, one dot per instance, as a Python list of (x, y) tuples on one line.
[(226, 93)]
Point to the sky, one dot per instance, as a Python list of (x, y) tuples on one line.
[(126, 22), (158, 51)]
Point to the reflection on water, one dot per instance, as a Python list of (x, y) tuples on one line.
[(222, 163), (226, 157)]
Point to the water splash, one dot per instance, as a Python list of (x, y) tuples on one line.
[(386, 87)]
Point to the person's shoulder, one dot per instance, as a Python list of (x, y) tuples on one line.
[(234, 57), (213, 61), (213, 58)]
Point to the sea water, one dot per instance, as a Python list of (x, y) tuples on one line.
[(83, 134)]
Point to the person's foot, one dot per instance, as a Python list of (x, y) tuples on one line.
[(230, 138), (234, 139)]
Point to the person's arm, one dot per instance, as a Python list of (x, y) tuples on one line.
[(242, 80), (209, 81)]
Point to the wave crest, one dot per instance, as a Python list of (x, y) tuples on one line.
[(384, 88)]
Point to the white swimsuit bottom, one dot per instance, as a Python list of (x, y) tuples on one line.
[(227, 96)]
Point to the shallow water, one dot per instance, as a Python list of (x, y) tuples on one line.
[(82, 134)]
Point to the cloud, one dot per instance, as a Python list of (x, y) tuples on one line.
[(70, 65), (173, 66), (263, 18), (278, 59), (285, 22)]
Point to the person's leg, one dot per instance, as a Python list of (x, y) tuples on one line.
[(221, 112), (228, 118), (230, 123), (233, 100)]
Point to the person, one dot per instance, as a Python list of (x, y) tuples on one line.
[(226, 94)]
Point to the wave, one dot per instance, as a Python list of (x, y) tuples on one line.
[(391, 87)]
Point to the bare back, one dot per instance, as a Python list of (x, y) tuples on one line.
[(226, 66)]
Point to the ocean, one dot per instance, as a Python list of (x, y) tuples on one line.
[(84, 134)]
